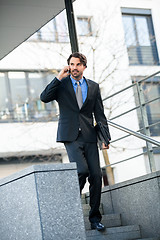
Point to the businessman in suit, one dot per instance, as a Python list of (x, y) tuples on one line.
[(79, 99)]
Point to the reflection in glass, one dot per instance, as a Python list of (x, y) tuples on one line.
[(129, 30), (20, 97), (142, 31)]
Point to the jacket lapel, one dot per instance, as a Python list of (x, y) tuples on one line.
[(70, 89), (88, 92)]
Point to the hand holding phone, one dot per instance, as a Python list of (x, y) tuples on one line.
[(64, 73)]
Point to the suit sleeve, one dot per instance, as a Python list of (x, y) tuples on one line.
[(50, 92), (99, 111)]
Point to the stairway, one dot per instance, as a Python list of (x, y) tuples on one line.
[(114, 229)]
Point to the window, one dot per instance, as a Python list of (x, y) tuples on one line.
[(62, 27), (3, 97), (18, 87), (48, 32), (84, 26), (55, 30), (20, 96), (151, 90), (139, 37)]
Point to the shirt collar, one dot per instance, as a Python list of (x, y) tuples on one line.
[(74, 81)]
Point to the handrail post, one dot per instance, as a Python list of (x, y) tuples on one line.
[(9, 96), (145, 125)]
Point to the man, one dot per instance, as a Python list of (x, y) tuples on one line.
[(79, 98)]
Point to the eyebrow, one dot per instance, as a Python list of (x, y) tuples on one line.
[(76, 63)]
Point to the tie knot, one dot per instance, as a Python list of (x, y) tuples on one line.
[(78, 83)]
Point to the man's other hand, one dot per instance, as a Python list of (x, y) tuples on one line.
[(104, 146)]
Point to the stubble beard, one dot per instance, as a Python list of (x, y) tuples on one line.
[(76, 74)]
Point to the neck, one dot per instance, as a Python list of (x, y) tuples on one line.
[(78, 78)]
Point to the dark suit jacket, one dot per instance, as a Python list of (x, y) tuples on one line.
[(71, 117)]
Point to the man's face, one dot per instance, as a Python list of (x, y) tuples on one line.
[(76, 68)]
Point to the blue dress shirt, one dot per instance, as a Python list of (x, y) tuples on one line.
[(83, 85)]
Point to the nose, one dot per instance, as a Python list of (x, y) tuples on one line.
[(75, 69)]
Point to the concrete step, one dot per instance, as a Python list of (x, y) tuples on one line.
[(86, 209), (115, 233), (109, 220), (114, 230)]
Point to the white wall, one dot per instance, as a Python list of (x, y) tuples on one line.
[(25, 138)]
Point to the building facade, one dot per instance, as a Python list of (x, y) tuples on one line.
[(121, 40)]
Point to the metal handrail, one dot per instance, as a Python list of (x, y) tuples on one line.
[(125, 136), (137, 107), (146, 127), (136, 134), (124, 160), (133, 84), (152, 75)]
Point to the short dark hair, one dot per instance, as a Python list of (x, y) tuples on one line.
[(81, 57)]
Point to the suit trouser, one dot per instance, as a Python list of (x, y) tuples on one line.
[(87, 158)]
